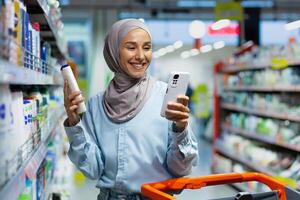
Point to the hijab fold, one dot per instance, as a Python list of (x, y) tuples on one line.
[(125, 96)]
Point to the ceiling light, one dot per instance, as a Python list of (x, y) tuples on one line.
[(185, 54), (206, 48), (162, 52), (170, 49), (220, 24), (197, 29), (219, 45), (178, 44), (292, 25), (194, 52)]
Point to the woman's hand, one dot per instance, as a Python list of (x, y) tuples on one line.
[(71, 102), (178, 112)]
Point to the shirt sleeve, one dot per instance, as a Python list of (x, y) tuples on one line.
[(182, 152), (84, 151)]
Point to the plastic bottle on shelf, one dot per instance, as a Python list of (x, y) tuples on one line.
[(36, 46), (41, 112), (69, 76), (18, 135), (27, 194), (45, 54), (6, 126)]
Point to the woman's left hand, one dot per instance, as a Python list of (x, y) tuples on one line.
[(178, 112)]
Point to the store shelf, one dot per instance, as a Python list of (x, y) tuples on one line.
[(235, 69), (221, 150), (39, 12), (14, 74), (16, 184), (295, 88), (260, 138), (274, 115), (222, 109)]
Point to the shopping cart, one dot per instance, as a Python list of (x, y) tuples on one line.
[(279, 191)]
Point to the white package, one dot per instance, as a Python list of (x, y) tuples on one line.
[(69, 76)]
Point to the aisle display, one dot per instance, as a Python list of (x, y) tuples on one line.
[(31, 95), (256, 118)]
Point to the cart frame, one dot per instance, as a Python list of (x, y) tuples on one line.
[(154, 190)]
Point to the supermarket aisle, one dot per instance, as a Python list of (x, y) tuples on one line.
[(88, 190)]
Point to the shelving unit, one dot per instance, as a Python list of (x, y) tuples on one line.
[(221, 110), (263, 89), (14, 74), (39, 12), (235, 69), (32, 71), (223, 151), (16, 185), (260, 138), (281, 116)]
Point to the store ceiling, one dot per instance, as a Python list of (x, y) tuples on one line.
[(185, 9)]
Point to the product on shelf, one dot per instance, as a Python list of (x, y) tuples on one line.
[(278, 131), (30, 97), (21, 38), (264, 78), (275, 163), (6, 126), (275, 56), (258, 112)]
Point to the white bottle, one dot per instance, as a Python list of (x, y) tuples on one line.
[(69, 76)]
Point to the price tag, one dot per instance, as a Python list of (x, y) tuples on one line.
[(288, 181), (279, 63)]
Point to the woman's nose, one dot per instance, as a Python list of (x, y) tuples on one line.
[(139, 55)]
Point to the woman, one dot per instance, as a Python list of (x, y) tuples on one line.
[(121, 140)]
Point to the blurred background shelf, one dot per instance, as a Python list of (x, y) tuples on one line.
[(235, 69), (261, 138), (225, 152), (274, 115), (263, 89)]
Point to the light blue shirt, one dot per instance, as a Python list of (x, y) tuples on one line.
[(124, 156)]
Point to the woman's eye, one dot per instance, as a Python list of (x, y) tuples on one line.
[(147, 48), (130, 48)]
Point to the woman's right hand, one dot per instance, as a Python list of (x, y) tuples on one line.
[(71, 102)]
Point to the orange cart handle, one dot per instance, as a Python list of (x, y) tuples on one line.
[(153, 190)]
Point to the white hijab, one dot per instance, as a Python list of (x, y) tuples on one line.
[(125, 96)]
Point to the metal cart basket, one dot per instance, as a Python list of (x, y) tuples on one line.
[(279, 190)]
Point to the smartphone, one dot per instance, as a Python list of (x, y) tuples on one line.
[(177, 85)]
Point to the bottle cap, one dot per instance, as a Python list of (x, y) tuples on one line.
[(66, 65)]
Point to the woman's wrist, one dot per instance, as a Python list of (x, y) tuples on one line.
[(72, 122), (178, 127)]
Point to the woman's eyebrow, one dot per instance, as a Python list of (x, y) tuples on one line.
[(130, 42), (133, 43)]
